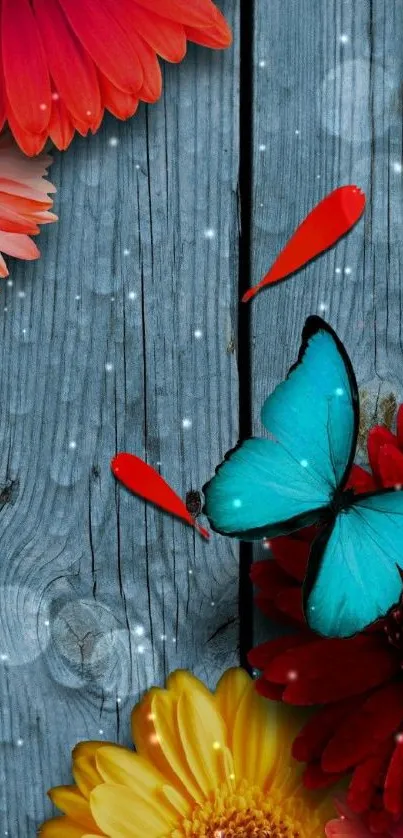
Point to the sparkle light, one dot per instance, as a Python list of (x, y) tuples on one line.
[(126, 252), (113, 142), (292, 675), (21, 294), (216, 745), (72, 444), (108, 367), (77, 297), (397, 167), (344, 39), (323, 307), (198, 334), (186, 423), (304, 463), (209, 233), (262, 147), (139, 630), (132, 295), (262, 63), (237, 503), (140, 650), (20, 742), (338, 271), (347, 271)]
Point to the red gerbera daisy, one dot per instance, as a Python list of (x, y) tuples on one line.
[(63, 62), (358, 681)]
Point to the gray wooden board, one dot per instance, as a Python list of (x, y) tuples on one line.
[(101, 596), (328, 111)]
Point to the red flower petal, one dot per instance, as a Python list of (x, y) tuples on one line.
[(360, 480), (399, 425), (327, 670), (316, 733), (106, 42), (31, 144), (315, 778), (390, 465), (292, 554), (261, 655), (120, 104), (330, 219), (366, 778), (393, 793), (269, 576), (218, 36), (70, 66), (61, 128), (199, 13), (361, 733), (166, 37), (378, 437), (26, 74), (271, 691), (152, 84)]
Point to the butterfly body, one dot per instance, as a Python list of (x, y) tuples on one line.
[(299, 477)]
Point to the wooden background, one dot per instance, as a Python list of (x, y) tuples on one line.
[(125, 336)]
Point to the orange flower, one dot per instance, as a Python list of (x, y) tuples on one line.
[(24, 201), (65, 61)]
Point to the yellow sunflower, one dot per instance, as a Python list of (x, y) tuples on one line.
[(207, 765)]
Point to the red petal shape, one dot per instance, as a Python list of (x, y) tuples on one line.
[(390, 465), (393, 793), (166, 37), (152, 76), (360, 480), (328, 670), (366, 778), (106, 41), (261, 656), (271, 691), (316, 733), (199, 13), (72, 70), (218, 36), (331, 219), (26, 73), (61, 128), (399, 425), (116, 101), (144, 481), (269, 576), (292, 555), (316, 778), (361, 733), (378, 437), (30, 144)]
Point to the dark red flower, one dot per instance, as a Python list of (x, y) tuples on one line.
[(355, 685)]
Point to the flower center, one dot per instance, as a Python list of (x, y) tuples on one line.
[(247, 812)]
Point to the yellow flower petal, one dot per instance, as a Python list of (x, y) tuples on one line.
[(64, 828), (156, 736), (203, 736), (255, 739), (71, 802), (123, 767), (121, 815), (182, 680), (84, 766), (228, 695)]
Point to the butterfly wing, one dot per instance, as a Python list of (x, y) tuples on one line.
[(268, 487), (354, 569)]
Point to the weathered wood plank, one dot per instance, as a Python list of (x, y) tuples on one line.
[(117, 339), (327, 111)]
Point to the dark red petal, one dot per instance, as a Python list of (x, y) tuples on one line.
[(378, 437), (399, 425), (268, 608), (324, 671), (390, 465), (292, 555), (393, 794), (366, 778), (261, 656), (269, 576), (315, 778), (380, 822), (361, 733), (360, 480), (271, 691), (316, 733)]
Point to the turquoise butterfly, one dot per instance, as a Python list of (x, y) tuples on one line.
[(269, 487)]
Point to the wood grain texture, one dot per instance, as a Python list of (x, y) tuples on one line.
[(101, 596), (328, 111)]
